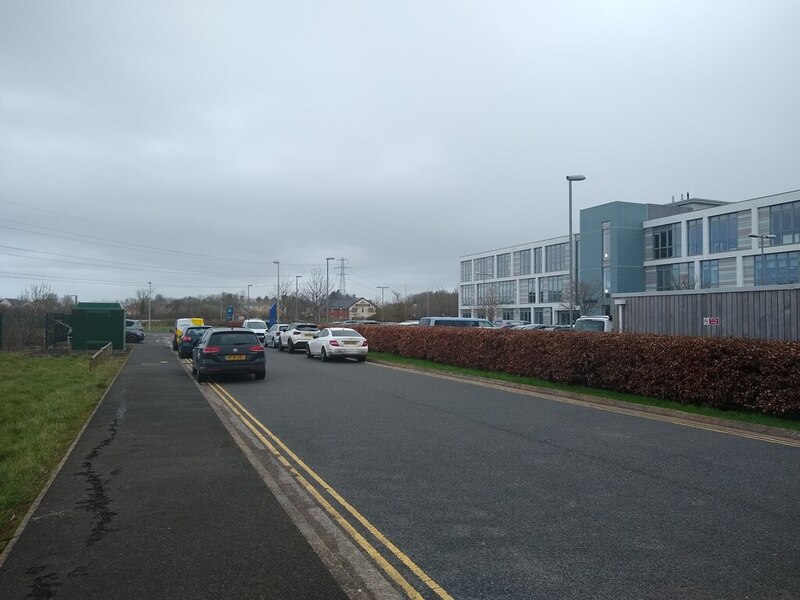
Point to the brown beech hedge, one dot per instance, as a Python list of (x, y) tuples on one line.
[(727, 373)]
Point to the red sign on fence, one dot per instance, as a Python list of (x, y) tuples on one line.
[(710, 320)]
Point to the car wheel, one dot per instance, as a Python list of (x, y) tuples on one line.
[(361, 358), (194, 371), (280, 346), (199, 376), (291, 346), (323, 355), (261, 374), (131, 339), (308, 352)]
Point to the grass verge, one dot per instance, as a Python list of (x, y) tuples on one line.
[(44, 402), (731, 415)]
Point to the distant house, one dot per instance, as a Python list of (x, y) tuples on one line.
[(344, 309), (10, 303)]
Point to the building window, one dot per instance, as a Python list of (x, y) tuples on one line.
[(528, 288), (525, 314), (694, 231), (508, 314), (543, 316), (504, 265), (467, 295), (709, 274), (667, 277), (551, 289), (723, 233), (522, 263), (557, 257), (484, 268), (782, 268), (466, 270), (784, 221), (606, 240), (666, 241), (606, 282), (507, 291), (537, 260)]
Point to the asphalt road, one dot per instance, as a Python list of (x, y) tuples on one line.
[(495, 494)]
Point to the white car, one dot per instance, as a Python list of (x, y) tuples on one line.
[(337, 342), (273, 336), (296, 336), (257, 326)]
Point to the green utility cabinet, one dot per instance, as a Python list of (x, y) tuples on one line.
[(94, 324)]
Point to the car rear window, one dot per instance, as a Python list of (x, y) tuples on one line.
[(256, 324), (305, 327), (232, 338), (345, 333)]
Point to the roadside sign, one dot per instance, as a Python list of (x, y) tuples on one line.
[(229, 313), (710, 320)]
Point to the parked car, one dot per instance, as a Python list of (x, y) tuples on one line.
[(456, 322), (595, 323), (227, 351), (556, 328), (257, 326), (180, 325), (531, 327), (337, 342), (191, 336), (297, 336), (273, 336), (134, 332)]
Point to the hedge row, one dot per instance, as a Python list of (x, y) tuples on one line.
[(754, 375)]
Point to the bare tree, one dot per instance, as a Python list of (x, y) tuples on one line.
[(585, 299), (489, 303), (314, 292), (282, 291)]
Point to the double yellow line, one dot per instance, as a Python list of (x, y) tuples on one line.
[(280, 451)]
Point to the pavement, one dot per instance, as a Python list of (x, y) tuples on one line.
[(156, 499)]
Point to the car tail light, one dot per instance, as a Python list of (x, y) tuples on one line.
[(364, 343), (186, 338), (334, 343), (256, 349), (212, 350)]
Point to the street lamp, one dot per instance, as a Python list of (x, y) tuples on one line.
[(573, 283), (296, 283), (762, 237), (249, 285), (381, 288), (278, 302), (149, 303), (328, 288)]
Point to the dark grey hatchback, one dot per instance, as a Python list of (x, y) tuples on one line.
[(229, 350)]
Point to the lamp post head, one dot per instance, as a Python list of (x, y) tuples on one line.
[(576, 177), (331, 258), (276, 262)]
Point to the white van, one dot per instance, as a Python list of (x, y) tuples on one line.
[(595, 323)]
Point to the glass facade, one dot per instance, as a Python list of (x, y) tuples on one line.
[(537, 260), (557, 257), (782, 268), (709, 274), (723, 233), (667, 241), (784, 222), (467, 295), (466, 270), (694, 231), (522, 263), (504, 265), (484, 268)]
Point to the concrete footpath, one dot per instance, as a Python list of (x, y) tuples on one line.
[(156, 500)]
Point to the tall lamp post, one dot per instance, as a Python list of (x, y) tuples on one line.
[(328, 288), (296, 283), (573, 283), (249, 285), (382, 288), (149, 303), (278, 302), (762, 237)]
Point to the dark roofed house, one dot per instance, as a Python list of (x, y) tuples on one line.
[(349, 309)]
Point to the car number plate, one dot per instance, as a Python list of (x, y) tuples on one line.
[(350, 343), (235, 357), (309, 335)]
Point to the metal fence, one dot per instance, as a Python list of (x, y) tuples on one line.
[(771, 314)]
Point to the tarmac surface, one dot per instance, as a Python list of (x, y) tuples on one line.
[(157, 500)]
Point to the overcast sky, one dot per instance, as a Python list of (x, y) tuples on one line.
[(191, 144)]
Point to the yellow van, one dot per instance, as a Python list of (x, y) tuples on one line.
[(180, 325)]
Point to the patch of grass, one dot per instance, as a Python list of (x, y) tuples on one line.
[(44, 401), (731, 415)]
